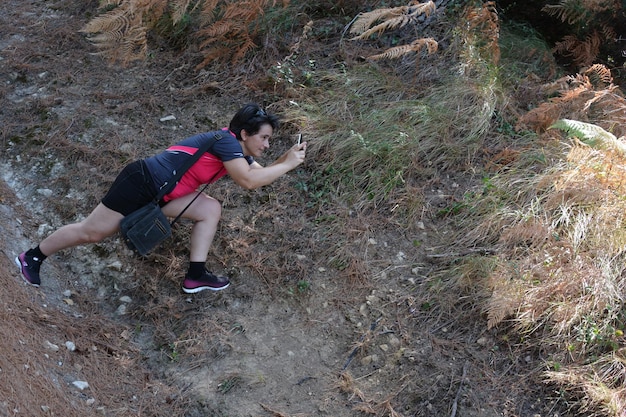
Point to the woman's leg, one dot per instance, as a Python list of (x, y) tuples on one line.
[(205, 212), (101, 223)]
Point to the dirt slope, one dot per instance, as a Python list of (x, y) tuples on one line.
[(314, 341)]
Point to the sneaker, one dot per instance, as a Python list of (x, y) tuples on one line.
[(29, 266), (207, 281)]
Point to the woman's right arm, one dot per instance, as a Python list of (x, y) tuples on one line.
[(254, 176)]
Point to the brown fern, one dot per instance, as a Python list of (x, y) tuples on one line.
[(179, 9), (119, 34), (227, 27), (391, 18), (417, 45), (574, 11), (588, 96), (506, 297), (483, 22), (569, 11), (232, 33), (592, 27), (599, 76), (365, 26), (583, 53)]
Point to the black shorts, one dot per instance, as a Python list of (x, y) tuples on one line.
[(132, 189)]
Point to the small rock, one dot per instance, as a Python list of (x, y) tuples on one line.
[(51, 346), (70, 346), (394, 341), (67, 293), (363, 310), (369, 359), (43, 229), (81, 385), (46, 192), (167, 118), (121, 310), (116, 266), (372, 299), (126, 299), (384, 347), (483, 341)]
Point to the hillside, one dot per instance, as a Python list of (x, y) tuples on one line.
[(329, 313)]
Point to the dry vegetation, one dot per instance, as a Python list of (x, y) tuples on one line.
[(499, 181)]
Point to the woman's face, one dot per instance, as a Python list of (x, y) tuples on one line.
[(255, 145)]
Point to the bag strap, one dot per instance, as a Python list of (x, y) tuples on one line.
[(168, 186), (191, 202)]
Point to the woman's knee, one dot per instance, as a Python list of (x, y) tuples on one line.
[(210, 208), (93, 235)]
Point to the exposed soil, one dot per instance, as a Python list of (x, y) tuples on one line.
[(293, 336)]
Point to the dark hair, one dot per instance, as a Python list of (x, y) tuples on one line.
[(250, 118)]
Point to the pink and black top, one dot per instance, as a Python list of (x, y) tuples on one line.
[(209, 168)]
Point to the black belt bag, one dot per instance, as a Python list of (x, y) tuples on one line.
[(147, 227)]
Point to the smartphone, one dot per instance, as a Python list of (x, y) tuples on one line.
[(299, 138)]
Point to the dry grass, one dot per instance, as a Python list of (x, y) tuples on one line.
[(558, 276), (554, 218), (38, 376)]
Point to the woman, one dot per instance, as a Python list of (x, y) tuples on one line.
[(250, 131)]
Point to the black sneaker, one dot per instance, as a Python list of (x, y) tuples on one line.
[(29, 266), (207, 281)]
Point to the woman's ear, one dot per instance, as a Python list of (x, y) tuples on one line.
[(243, 134)]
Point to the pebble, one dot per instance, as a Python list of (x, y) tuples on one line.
[(81, 385), (46, 192), (482, 341), (369, 359), (115, 265), (51, 346), (121, 310)]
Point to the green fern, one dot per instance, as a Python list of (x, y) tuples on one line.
[(591, 134)]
